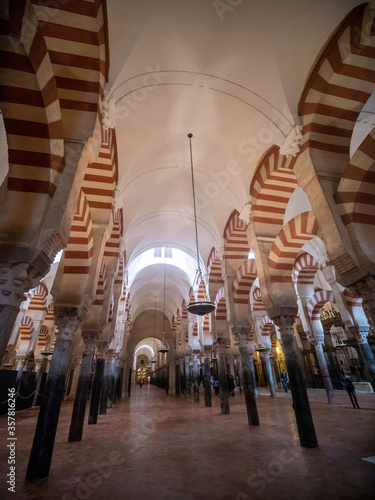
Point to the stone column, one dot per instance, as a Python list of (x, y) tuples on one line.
[(187, 377), (367, 355), (68, 321), (222, 373), (246, 348), (271, 381), (105, 386), (366, 290), (80, 400), (38, 379), (15, 281), (207, 377), (305, 424), (182, 376), (318, 343), (97, 383), (196, 376)]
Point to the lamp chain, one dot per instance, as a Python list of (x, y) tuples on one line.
[(195, 209)]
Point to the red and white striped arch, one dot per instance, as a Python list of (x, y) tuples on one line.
[(267, 326), (195, 330), (101, 285), (214, 268), (304, 269), (351, 299), (101, 177), (236, 245), (26, 329), (257, 300), (316, 303), (30, 106), (338, 86), (50, 316), (202, 294), (79, 251), (43, 336), (80, 79), (184, 315), (288, 243), (221, 305), (38, 300), (112, 246), (245, 277), (271, 188), (206, 324), (355, 196)]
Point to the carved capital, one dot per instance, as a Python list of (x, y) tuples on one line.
[(15, 281), (101, 348)]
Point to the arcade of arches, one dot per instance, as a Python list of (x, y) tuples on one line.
[(97, 246)]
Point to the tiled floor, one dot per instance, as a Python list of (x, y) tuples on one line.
[(158, 447)]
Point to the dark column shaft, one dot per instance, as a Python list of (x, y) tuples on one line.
[(249, 386), (269, 374), (324, 372), (44, 439), (196, 380), (80, 400), (187, 379), (96, 390), (223, 383), (8, 316), (305, 424), (207, 383), (105, 388)]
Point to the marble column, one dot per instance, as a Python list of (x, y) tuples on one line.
[(246, 348), (68, 321), (97, 383), (318, 344), (305, 424), (80, 400), (269, 372), (207, 378), (222, 373), (366, 290), (15, 281), (182, 376), (38, 378), (196, 376), (187, 377), (367, 355), (105, 387)]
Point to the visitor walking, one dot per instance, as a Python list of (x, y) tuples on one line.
[(350, 389), (285, 380)]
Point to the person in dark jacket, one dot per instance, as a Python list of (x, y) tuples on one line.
[(350, 389)]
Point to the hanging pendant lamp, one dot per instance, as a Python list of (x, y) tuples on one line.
[(200, 308), (164, 347), (153, 358)]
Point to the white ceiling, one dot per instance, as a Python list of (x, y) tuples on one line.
[(233, 79)]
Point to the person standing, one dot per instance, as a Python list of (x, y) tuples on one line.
[(285, 380), (350, 389)]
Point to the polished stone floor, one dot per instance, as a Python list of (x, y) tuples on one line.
[(158, 447)]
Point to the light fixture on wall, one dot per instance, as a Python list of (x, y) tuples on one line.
[(201, 308), (153, 358), (164, 347)]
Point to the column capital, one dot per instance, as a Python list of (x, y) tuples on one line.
[(90, 338), (318, 344), (20, 362), (284, 318), (101, 348), (15, 280)]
